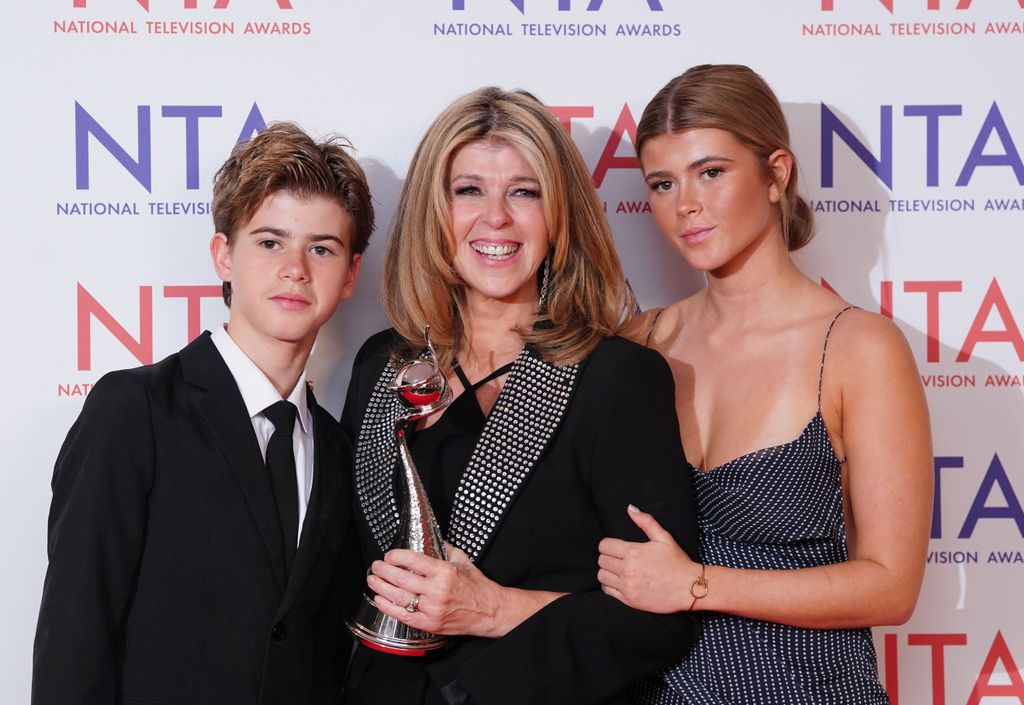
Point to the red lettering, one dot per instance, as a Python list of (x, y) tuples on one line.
[(1010, 334), (892, 671), (193, 295), (932, 289), (142, 3), (193, 4), (998, 652), (885, 299), (625, 125), (829, 5), (221, 4), (966, 4), (74, 390), (828, 286), (938, 643), (89, 307), (565, 114)]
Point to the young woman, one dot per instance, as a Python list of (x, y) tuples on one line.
[(500, 245), (804, 423)]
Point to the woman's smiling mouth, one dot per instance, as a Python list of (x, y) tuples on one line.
[(495, 251)]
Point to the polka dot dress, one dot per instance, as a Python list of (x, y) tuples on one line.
[(778, 508)]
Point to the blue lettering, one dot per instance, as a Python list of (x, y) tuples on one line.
[(940, 463), (993, 123), (191, 113), (652, 5), (85, 124), (518, 4), (995, 475), (932, 113), (832, 126), (254, 124), (142, 168), (563, 5)]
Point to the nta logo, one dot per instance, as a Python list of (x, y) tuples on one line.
[(141, 167), (193, 4), (563, 5), (829, 5)]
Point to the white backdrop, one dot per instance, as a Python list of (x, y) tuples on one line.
[(908, 121)]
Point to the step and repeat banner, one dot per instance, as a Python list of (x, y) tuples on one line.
[(908, 122)]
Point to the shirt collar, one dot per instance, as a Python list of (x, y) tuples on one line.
[(257, 391)]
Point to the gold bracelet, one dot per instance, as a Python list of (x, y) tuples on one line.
[(699, 587)]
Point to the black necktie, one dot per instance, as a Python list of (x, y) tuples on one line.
[(281, 465)]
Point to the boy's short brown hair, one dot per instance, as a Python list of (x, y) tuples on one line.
[(284, 158)]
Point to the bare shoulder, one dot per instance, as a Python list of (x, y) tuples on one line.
[(864, 344), (656, 327), (639, 328), (871, 386), (865, 333), (669, 326)]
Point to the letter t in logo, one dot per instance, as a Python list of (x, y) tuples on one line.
[(461, 5), (144, 4)]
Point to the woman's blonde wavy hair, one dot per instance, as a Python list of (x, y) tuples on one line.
[(587, 298)]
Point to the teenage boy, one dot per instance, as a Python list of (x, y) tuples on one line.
[(198, 547)]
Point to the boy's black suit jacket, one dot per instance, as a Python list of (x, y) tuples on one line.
[(166, 583)]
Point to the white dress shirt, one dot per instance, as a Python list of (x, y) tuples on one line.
[(258, 393)]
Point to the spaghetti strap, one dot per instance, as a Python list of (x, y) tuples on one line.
[(824, 348), (472, 386), (460, 374), (494, 375), (650, 331)]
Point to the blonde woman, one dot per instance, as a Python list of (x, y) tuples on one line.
[(500, 245)]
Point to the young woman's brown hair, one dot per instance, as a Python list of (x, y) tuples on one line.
[(733, 98)]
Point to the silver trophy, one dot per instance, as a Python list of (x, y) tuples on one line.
[(423, 390)]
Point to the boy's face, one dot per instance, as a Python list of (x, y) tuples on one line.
[(289, 267)]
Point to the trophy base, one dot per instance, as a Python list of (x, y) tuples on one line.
[(380, 632)]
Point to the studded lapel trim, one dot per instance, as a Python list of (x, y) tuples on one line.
[(374, 463), (525, 416)]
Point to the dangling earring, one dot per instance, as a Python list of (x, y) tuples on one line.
[(544, 282)]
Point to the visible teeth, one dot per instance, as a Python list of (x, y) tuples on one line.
[(494, 250)]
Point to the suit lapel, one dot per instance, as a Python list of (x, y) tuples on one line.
[(525, 416), (373, 465), (220, 404)]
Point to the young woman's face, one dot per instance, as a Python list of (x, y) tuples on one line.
[(711, 197), (498, 223)]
